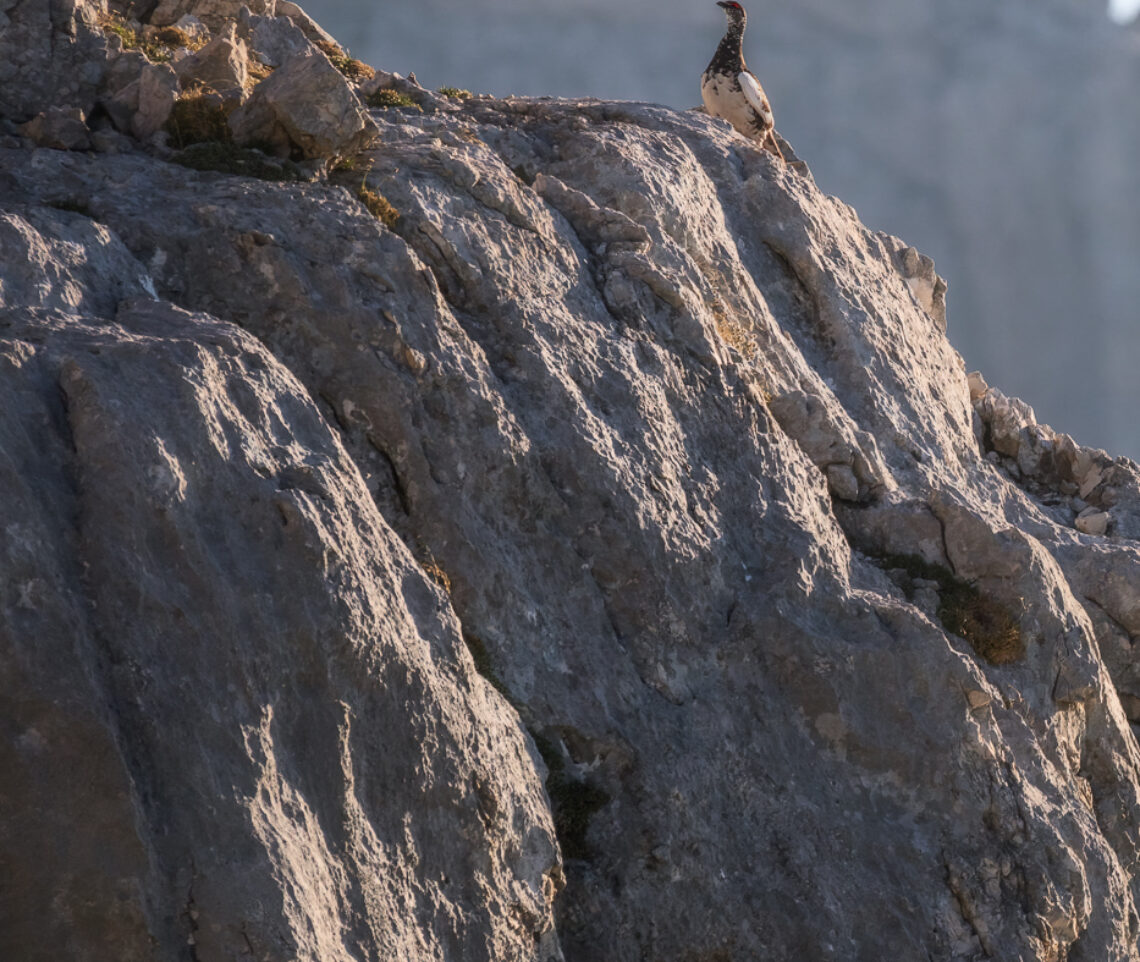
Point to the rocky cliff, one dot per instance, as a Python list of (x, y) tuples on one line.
[(517, 530), (986, 132)]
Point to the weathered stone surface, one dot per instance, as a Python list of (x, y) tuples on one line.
[(706, 487), (192, 27), (343, 776), (63, 128), (311, 29), (143, 105), (275, 39), (222, 66), (308, 101), (214, 13), (52, 54)]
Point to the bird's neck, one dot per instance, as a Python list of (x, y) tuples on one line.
[(730, 54)]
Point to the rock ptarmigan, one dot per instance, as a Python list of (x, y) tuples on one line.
[(731, 91)]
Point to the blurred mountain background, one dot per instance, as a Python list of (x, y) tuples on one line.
[(1001, 137)]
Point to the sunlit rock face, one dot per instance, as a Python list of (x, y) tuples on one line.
[(1001, 138), (554, 530)]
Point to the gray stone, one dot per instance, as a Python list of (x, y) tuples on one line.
[(108, 141), (340, 763), (275, 39), (144, 95), (311, 29), (216, 14), (52, 55), (62, 128), (192, 27), (841, 482), (928, 288), (222, 66), (596, 384), (309, 102), (158, 89)]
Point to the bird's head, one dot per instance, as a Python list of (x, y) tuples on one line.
[(734, 11)]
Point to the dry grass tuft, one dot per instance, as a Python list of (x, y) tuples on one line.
[(379, 207), (159, 48), (258, 71), (985, 623), (197, 118), (352, 68)]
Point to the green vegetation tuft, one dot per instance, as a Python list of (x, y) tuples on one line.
[(228, 158), (386, 98), (963, 610), (457, 92), (572, 800)]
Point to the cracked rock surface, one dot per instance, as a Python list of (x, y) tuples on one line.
[(630, 418)]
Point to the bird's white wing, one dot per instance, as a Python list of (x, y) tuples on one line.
[(755, 96)]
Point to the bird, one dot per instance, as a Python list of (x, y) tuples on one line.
[(731, 91)]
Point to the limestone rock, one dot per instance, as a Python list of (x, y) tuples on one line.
[(52, 55), (308, 101), (628, 418), (143, 105), (216, 14), (192, 27), (928, 288), (275, 39), (62, 128), (343, 773), (222, 66), (311, 29)]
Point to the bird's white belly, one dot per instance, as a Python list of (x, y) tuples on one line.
[(726, 100)]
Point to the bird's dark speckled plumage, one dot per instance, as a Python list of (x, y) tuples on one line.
[(731, 91)]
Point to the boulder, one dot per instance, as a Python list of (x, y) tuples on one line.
[(221, 67), (63, 128), (273, 40), (143, 106), (308, 102), (313, 30), (359, 679)]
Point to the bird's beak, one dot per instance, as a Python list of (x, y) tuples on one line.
[(721, 3)]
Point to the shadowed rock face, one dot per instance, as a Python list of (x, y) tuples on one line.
[(808, 628), (240, 718)]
